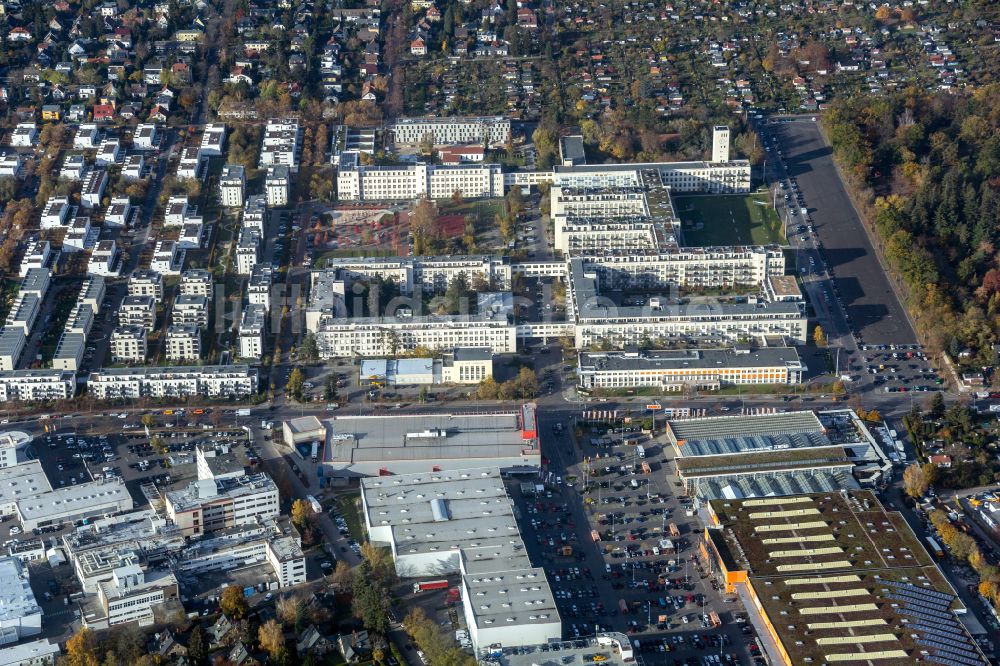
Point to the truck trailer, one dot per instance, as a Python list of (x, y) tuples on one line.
[(428, 585)]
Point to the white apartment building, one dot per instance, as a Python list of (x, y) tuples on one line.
[(104, 259), (177, 211), (253, 327), (413, 181), (191, 236), (69, 351), (93, 187), (35, 385), (23, 313), (213, 140), (189, 309), (196, 282), (168, 259), (285, 556), (255, 213), (386, 336), (128, 344), (137, 311), (54, 213), (210, 381), (118, 213), (146, 137), (675, 370), (20, 614), (232, 185), (276, 185), (36, 281), (108, 153), (491, 131), (183, 343), (428, 273), (73, 167), (247, 250), (36, 255), (259, 286), (80, 235), (189, 166), (24, 135), (132, 594), (145, 282), (86, 137), (134, 167), (11, 164), (92, 293), (281, 144), (12, 340), (208, 505)]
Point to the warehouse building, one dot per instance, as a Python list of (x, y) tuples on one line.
[(21, 480), (405, 444), (72, 503), (20, 614), (775, 454), (14, 448), (835, 578), (676, 370), (462, 521)]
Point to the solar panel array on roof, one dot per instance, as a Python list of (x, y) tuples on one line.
[(748, 443), (938, 628), (762, 485)]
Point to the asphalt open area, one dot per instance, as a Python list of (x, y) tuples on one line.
[(729, 220), (863, 287)]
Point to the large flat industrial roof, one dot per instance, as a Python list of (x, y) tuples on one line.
[(24, 480), (384, 439), (71, 499), (763, 485), (841, 579), (504, 598), (740, 434), (16, 598)]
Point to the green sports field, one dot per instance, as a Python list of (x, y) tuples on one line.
[(729, 220)]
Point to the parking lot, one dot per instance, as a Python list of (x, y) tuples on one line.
[(639, 577)]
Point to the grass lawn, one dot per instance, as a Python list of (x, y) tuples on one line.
[(729, 220), (349, 506)]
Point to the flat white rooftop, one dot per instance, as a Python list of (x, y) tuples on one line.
[(16, 598), (72, 500), (21, 481)]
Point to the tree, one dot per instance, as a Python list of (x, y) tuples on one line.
[(271, 638), (370, 602), (526, 383), (296, 382), (197, 647), (819, 337), (935, 406), (916, 481), (159, 446), (148, 420), (456, 297), (330, 388), (341, 576), (289, 609), (233, 603), (378, 560), (427, 143), (303, 515), (309, 348), (487, 389), (81, 649), (423, 394)]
